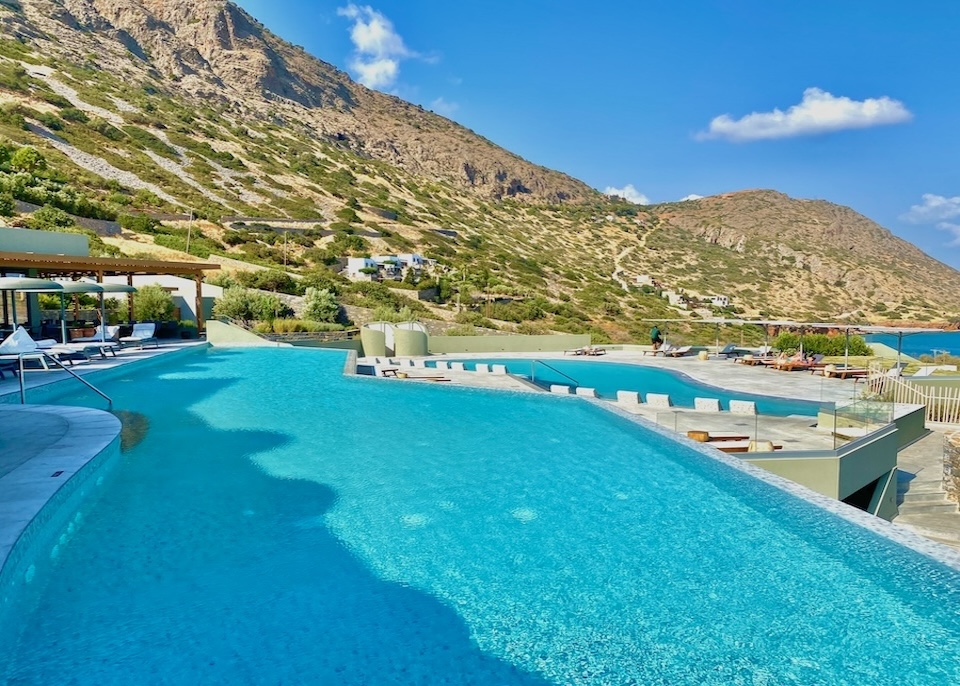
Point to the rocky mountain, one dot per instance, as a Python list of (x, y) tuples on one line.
[(175, 106), (211, 51)]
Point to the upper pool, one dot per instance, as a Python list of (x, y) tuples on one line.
[(609, 377), (282, 523)]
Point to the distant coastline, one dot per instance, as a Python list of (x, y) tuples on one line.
[(921, 343)]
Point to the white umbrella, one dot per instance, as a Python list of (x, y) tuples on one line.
[(29, 285)]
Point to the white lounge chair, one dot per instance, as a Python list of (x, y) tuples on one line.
[(20, 346), (142, 333), (678, 352), (103, 335)]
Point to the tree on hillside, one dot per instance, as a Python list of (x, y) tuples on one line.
[(320, 305), (28, 159)]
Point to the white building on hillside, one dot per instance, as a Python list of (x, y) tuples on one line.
[(356, 264), (720, 301)]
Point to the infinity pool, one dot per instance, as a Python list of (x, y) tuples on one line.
[(282, 523), (609, 377)]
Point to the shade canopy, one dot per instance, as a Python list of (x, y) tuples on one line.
[(23, 283), (80, 287), (117, 288)]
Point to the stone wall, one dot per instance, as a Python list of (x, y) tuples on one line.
[(951, 465)]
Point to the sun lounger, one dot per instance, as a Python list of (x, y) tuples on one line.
[(19, 346), (679, 352), (103, 335), (712, 436), (752, 361), (844, 372), (730, 350), (575, 351), (739, 446), (142, 333), (590, 350), (94, 348), (662, 350)]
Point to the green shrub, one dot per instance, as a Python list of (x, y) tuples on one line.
[(269, 280), (7, 205), (474, 319), (386, 313), (152, 304), (297, 326), (320, 305), (28, 159), (140, 223), (822, 344), (50, 218), (247, 305), (72, 114), (462, 330)]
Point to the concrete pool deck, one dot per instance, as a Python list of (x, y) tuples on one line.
[(724, 373), (795, 433)]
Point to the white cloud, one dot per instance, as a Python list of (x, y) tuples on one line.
[(954, 230), (818, 112), (441, 106), (628, 192), (692, 196), (378, 47), (934, 208)]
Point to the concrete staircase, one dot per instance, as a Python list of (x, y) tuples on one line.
[(922, 502)]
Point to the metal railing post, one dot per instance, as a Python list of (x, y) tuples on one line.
[(23, 397)]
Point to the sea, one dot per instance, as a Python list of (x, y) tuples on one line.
[(918, 344)]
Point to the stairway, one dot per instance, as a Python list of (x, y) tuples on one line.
[(924, 506)]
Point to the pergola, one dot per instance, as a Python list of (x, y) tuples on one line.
[(76, 267)]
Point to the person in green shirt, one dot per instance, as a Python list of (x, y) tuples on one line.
[(655, 337)]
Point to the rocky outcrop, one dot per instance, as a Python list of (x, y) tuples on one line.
[(211, 50)]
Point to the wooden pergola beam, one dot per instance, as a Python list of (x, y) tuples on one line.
[(76, 266)]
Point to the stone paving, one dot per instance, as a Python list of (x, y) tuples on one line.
[(80, 435), (922, 501)]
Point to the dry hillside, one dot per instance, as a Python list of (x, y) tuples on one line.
[(169, 106)]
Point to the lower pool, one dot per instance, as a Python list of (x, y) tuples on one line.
[(609, 377), (282, 523)]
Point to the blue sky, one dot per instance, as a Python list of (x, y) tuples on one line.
[(853, 102)]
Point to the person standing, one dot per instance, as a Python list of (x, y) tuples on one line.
[(655, 338)]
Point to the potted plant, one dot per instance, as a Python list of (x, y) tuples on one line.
[(188, 328)]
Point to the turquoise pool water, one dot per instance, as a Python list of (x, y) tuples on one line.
[(281, 523), (609, 377)]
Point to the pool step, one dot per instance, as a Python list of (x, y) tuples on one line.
[(919, 497), (942, 507)]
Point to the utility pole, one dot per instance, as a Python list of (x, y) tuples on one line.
[(285, 248), (189, 231), (463, 282)]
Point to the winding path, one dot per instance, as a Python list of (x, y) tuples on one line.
[(618, 270)]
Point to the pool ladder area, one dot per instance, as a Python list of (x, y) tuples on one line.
[(533, 372), (51, 358)]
